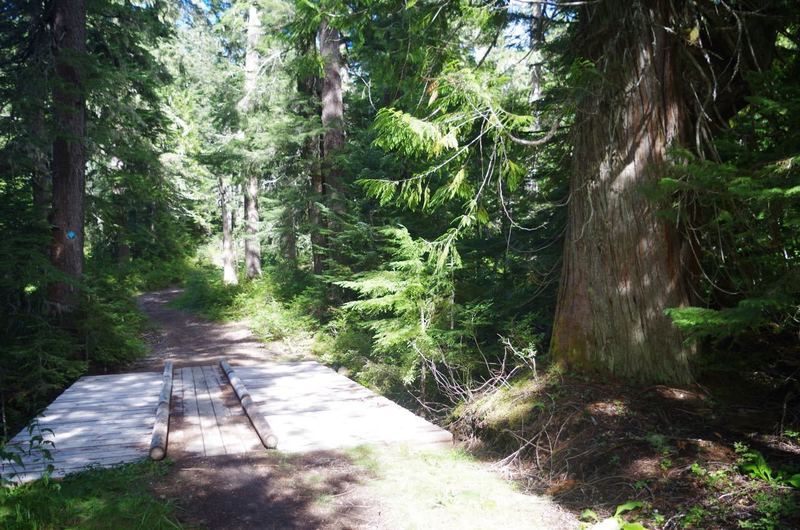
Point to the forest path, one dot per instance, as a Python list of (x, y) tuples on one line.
[(363, 487), (188, 340)]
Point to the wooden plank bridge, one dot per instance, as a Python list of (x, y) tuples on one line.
[(101, 421)]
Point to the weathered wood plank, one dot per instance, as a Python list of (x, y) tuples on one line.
[(312, 407), (110, 408), (89, 437), (100, 420), (146, 388), (98, 424), (78, 416), (120, 384), (79, 463), (214, 387), (86, 431), (212, 438), (63, 456), (177, 381), (127, 401), (113, 388), (230, 440), (191, 433)]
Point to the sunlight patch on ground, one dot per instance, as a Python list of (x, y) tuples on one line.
[(449, 489)]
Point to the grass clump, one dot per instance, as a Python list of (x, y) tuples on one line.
[(259, 302), (99, 498), (509, 406)]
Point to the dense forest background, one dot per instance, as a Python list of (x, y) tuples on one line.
[(452, 198)]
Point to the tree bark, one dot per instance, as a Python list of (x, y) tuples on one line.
[(41, 182), (69, 151), (308, 85), (332, 112), (537, 41), (318, 239), (229, 276), (252, 59), (326, 175), (289, 240), (623, 264), (252, 243), (121, 235)]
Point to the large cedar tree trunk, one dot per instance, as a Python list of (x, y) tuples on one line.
[(326, 176), (332, 111), (69, 151), (252, 243), (623, 264)]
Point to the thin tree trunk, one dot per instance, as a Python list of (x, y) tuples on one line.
[(123, 253), (40, 171), (289, 242), (537, 41), (69, 152), (312, 151), (623, 264), (228, 252), (123, 247), (252, 243), (318, 239), (252, 59)]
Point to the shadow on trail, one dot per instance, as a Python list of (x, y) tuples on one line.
[(312, 490)]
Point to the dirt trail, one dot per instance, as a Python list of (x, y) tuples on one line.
[(324, 489), (256, 490), (191, 341)]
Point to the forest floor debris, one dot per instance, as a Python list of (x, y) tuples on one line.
[(691, 460)]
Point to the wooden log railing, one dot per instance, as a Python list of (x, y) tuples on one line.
[(158, 442), (262, 427)]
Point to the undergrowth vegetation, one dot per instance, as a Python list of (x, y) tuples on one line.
[(43, 353), (270, 311), (101, 498)]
